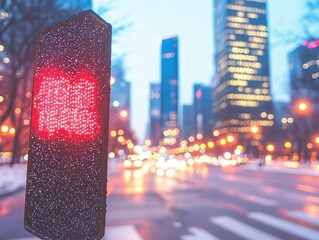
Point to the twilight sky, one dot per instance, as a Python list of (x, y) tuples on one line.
[(192, 22)]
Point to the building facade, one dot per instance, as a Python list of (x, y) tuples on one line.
[(187, 129), (169, 91), (120, 98), (241, 94), (304, 70), (304, 82), (155, 114), (202, 113)]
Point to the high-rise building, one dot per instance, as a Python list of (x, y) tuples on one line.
[(169, 91), (155, 114), (202, 110), (304, 81), (120, 97), (75, 5), (304, 70), (187, 129), (241, 96)]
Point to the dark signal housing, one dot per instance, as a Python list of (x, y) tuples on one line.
[(67, 166)]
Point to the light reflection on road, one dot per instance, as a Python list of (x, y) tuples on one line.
[(306, 188), (8, 205), (166, 175), (312, 210)]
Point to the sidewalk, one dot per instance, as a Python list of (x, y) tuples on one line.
[(12, 178), (287, 167)]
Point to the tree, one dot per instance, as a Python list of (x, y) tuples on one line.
[(310, 20), (309, 27), (20, 21)]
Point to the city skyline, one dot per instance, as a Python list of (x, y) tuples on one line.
[(143, 66)]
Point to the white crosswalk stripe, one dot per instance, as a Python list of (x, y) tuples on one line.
[(113, 233), (31, 238), (198, 234), (122, 232), (251, 198), (258, 200), (304, 216), (241, 229), (285, 225)]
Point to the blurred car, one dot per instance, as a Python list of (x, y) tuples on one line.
[(133, 161)]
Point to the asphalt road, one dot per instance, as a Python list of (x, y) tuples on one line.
[(200, 203)]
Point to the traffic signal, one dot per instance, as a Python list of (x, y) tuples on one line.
[(67, 166)]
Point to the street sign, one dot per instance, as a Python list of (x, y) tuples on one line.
[(67, 166)]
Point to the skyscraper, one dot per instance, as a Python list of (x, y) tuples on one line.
[(187, 129), (304, 80), (202, 110), (241, 87), (304, 70), (169, 90), (155, 114), (75, 5), (120, 98)]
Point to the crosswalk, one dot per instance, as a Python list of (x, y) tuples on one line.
[(240, 228), (122, 232), (128, 232), (312, 218), (197, 233), (285, 225), (245, 231)]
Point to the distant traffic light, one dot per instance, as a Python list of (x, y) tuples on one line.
[(66, 179)]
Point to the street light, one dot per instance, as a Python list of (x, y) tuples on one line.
[(4, 129), (288, 145), (303, 107), (230, 138), (303, 111), (253, 140), (270, 148), (124, 114), (254, 129), (223, 141)]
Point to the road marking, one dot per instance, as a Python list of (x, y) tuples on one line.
[(304, 216), (251, 198), (122, 232), (284, 225), (113, 233), (306, 188), (198, 234), (31, 238), (241, 229), (258, 200)]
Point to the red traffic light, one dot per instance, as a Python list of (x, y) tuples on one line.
[(66, 179), (65, 106)]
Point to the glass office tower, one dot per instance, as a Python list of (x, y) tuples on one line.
[(169, 91), (241, 94)]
